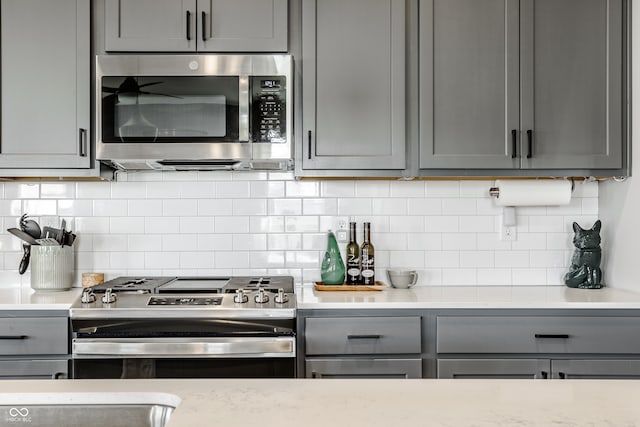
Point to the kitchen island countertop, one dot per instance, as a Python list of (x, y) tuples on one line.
[(355, 403), (451, 297)]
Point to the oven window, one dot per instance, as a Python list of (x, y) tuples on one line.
[(170, 109), (185, 368)]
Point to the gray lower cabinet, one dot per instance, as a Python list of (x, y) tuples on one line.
[(34, 347), (540, 346), (196, 25), (45, 89), (353, 85), (363, 347), (533, 84)]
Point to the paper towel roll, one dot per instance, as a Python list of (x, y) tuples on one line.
[(547, 192)]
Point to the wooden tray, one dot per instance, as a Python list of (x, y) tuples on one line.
[(319, 286)]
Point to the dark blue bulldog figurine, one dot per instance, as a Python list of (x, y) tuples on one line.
[(585, 272)]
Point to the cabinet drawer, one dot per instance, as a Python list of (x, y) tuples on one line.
[(363, 368), (34, 369), (37, 335), (363, 335), (508, 334)]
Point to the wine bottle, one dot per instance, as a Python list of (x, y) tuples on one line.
[(353, 257), (367, 256)]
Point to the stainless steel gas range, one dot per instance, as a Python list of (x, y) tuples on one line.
[(185, 327)]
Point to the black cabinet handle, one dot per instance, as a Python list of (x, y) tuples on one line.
[(309, 135), (59, 376), (529, 144), (364, 337), (553, 336), (204, 23), (544, 375), (188, 25), (514, 143), (562, 375), (82, 140), (13, 337)]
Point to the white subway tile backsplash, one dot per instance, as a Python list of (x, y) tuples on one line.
[(20, 190), (389, 206), (442, 224), (338, 188), (267, 189), (407, 189), (284, 207), (232, 190), (442, 189), (223, 224), (319, 206), (373, 188), (58, 190), (249, 242), (144, 207), (249, 206), (302, 189), (200, 223), (136, 190)]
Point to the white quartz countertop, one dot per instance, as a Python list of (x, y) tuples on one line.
[(355, 403), (517, 297), (25, 298)]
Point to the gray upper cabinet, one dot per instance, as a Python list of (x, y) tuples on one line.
[(353, 85), (196, 25), (532, 84), (45, 57)]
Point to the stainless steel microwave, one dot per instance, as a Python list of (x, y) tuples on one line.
[(194, 112)]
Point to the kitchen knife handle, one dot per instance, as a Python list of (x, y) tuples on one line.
[(24, 262), (309, 135), (82, 140), (188, 25), (529, 144), (204, 23), (553, 336), (14, 337), (514, 143), (364, 337)]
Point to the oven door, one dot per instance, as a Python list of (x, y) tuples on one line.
[(183, 348)]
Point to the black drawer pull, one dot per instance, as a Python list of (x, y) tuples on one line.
[(514, 143), (553, 336), (188, 25), (364, 337), (13, 337), (529, 144)]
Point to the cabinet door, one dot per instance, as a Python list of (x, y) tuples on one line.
[(494, 368), (34, 369), (242, 25), (363, 368), (353, 65), (469, 94), (596, 369), (150, 25), (45, 61), (571, 83)]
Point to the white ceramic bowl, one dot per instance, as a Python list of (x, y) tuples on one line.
[(402, 278)]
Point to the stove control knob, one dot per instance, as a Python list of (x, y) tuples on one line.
[(261, 297), (240, 297), (281, 298), (108, 297), (88, 296)]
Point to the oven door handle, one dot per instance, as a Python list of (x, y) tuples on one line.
[(184, 347)]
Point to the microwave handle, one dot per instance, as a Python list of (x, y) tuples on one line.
[(243, 106)]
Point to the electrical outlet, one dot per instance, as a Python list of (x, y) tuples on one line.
[(508, 232)]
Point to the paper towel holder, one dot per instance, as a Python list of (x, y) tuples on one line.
[(495, 191)]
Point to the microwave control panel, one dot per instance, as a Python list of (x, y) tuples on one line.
[(268, 104)]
